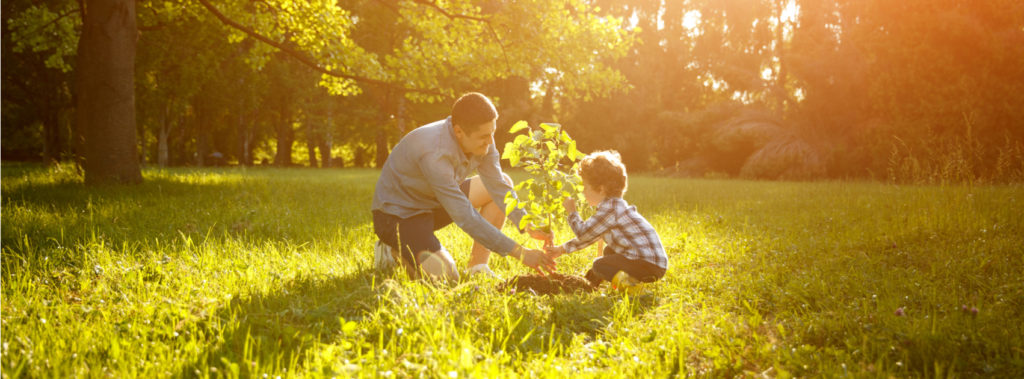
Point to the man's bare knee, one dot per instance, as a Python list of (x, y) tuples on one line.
[(438, 265)]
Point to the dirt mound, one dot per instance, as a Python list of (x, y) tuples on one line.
[(548, 285)]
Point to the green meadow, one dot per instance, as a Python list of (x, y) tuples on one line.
[(250, 272)]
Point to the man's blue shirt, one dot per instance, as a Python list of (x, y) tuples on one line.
[(423, 173)]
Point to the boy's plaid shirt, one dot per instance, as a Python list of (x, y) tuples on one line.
[(624, 229)]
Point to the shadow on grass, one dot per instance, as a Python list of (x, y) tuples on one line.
[(270, 332)]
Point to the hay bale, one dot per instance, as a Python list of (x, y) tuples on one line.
[(745, 133), (784, 158)]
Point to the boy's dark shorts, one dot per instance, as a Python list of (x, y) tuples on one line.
[(416, 232), (611, 263)]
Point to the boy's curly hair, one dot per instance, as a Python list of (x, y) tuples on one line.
[(605, 170)]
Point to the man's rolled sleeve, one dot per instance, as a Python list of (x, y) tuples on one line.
[(438, 171)]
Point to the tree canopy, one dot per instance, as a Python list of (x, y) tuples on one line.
[(833, 88)]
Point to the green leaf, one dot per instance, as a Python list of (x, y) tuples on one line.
[(510, 205), (522, 140), (519, 125), (508, 151), (574, 154), (551, 146)]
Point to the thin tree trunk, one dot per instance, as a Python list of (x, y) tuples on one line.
[(105, 74), (51, 137), (311, 142), (285, 138), (781, 95), (162, 135), (246, 132), (382, 148), (326, 142), (202, 139), (382, 137)]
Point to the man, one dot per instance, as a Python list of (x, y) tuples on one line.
[(423, 187)]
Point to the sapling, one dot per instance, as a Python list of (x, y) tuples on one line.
[(549, 156)]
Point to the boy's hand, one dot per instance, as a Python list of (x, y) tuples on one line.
[(570, 205), (554, 252)]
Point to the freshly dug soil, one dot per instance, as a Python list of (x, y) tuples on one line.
[(548, 285)]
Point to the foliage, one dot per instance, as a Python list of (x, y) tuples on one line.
[(265, 271), (51, 27), (852, 78), (549, 156)]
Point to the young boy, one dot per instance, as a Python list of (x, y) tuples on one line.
[(634, 253)]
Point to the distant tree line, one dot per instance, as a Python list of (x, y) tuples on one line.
[(919, 90)]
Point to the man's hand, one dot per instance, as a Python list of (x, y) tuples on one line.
[(554, 252), (569, 204), (536, 260), (540, 235)]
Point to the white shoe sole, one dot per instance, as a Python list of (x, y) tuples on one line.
[(383, 258)]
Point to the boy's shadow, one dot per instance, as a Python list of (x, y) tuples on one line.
[(279, 326)]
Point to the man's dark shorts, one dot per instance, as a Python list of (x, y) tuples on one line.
[(416, 233)]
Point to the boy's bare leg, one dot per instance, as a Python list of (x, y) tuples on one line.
[(490, 211)]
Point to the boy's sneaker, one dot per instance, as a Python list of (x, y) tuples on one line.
[(622, 281), (383, 257), (483, 269)]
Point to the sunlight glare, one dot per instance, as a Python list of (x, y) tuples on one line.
[(691, 19), (790, 13)]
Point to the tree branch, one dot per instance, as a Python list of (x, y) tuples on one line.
[(449, 15), (54, 21), (303, 58)]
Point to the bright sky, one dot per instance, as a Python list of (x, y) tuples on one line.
[(692, 18)]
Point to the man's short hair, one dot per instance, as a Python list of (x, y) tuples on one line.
[(605, 170), (472, 110)]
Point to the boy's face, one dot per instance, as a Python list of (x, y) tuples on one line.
[(594, 194), (478, 141)]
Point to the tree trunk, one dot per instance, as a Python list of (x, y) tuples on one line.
[(106, 92), (385, 119), (246, 155), (51, 137), (401, 115), (202, 131), (326, 145), (162, 135), (382, 148), (311, 142), (285, 138), (781, 94)]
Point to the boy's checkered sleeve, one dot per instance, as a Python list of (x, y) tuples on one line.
[(587, 232)]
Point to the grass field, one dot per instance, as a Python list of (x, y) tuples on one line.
[(237, 272)]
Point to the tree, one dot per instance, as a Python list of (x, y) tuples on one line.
[(105, 74), (38, 46)]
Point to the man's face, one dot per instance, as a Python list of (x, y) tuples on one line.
[(477, 142)]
